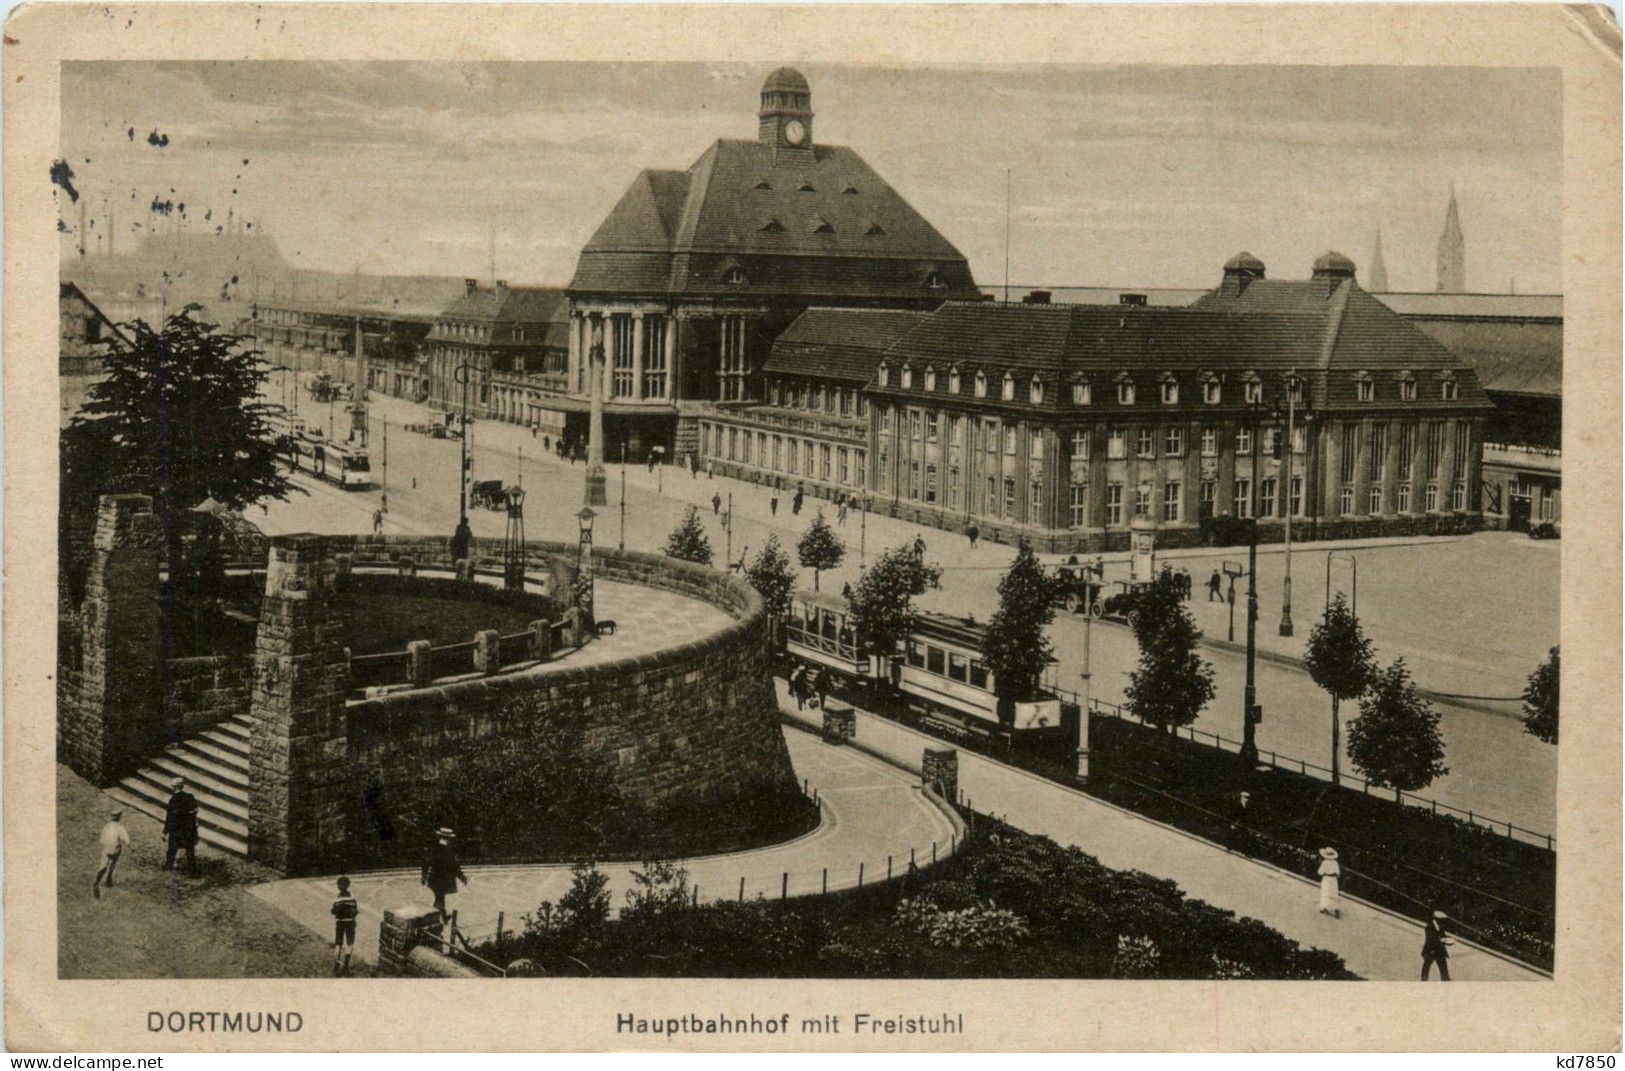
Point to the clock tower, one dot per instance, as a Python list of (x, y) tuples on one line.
[(786, 114)]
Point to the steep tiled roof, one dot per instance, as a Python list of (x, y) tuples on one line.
[(843, 344), (815, 221), (512, 304)]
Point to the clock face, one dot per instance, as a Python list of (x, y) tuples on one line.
[(794, 132)]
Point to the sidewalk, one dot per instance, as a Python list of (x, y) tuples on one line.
[(1373, 942), (872, 811)]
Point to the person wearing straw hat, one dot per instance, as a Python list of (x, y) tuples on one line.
[(114, 839), (1436, 947), (1329, 873), (441, 871)]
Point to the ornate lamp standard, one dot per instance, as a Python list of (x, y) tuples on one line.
[(513, 545), (583, 592), (1294, 384), (1252, 714)]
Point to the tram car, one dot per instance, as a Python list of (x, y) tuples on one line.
[(338, 464), (938, 671)]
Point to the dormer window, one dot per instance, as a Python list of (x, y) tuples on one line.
[(772, 226), (1081, 394), (930, 378), (981, 384), (805, 187), (953, 380), (1035, 391), (1212, 390), (1447, 389), (1125, 391), (1407, 387), (935, 281), (764, 185), (882, 374), (735, 276), (908, 377), (850, 190), (824, 227), (1253, 391), (1365, 387), (875, 231), (1170, 390), (1008, 392)]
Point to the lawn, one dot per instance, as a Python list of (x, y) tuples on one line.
[(155, 924)]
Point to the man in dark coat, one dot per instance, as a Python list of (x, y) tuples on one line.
[(180, 827), (441, 871), (460, 541), (1436, 947)]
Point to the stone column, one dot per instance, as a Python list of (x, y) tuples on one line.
[(670, 342), (1224, 491), (403, 929), (1190, 501), (1362, 467), (1475, 455), (574, 361), (297, 784), (596, 494), (117, 720), (637, 355), (1332, 472), (1095, 515), (1447, 467), (1390, 468)]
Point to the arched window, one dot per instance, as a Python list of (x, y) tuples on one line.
[(953, 380), (1365, 387), (1407, 387), (1081, 393), (1448, 390), (882, 374), (1254, 389), (1008, 393), (908, 377), (981, 383), (1035, 390), (1125, 390), (1212, 390), (930, 378)]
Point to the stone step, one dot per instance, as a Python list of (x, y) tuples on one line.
[(229, 815), (237, 726), (143, 798), (227, 751), (185, 760)]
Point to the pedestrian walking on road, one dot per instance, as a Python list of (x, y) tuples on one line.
[(344, 911), (840, 513), (114, 839), (378, 521), (1214, 583), (180, 827), (716, 503), (773, 505), (710, 470), (973, 533), (383, 502), (919, 548), (821, 685), (1241, 822), (1436, 944), (1329, 873), (798, 686), (441, 871), (795, 503)]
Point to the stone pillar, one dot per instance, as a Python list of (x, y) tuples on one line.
[(670, 336), (403, 929), (1390, 468), (597, 356), (487, 654), (1447, 467), (637, 354), (464, 568), (939, 773), (840, 723), (1362, 467), (1332, 473), (117, 720), (296, 804), (418, 668), (541, 640), (1190, 501), (1224, 491), (1475, 475), (405, 565)]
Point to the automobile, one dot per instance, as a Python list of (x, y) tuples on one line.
[(1545, 530), (1077, 588), (1123, 603)]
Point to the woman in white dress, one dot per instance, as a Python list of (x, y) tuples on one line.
[(1329, 873)]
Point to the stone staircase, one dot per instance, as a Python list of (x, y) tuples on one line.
[(215, 766)]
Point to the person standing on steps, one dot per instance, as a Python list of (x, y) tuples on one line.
[(1329, 872), (114, 839), (180, 827), (441, 871), (1436, 947)]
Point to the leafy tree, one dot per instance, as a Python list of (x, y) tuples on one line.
[(1395, 741), (1172, 684), (1540, 700), (772, 578), (820, 548), (574, 926), (882, 602), (1339, 660), (1014, 645), (688, 540), (180, 417)]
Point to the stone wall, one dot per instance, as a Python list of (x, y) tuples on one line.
[(686, 721), (205, 691)]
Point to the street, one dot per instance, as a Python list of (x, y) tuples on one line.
[(1471, 615)]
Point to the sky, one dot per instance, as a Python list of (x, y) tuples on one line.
[(1117, 176)]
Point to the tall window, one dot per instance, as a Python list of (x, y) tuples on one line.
[(1367, 389), (623, 360), (1142, 501), (956, 431), (953, 487), (731, 373), (733, 443), (1035, 501), (1114, 504), (931, 427), (1300, 438), (1145, 444), (1447, 390), (1407, 390), (1078, 505), (1125, 393), (824, 462), (843, 460), (1379, 447), (1170, 501), (930, 482), (1035, 444), (1458, 463), (1345, 501), (1242, 499), (1403, 496), (916, 424), (792, 455), (1209, 492), (1351, 447), (930, 378), (778, 451), (981, 384), (914, 479), (1266, 496), (1010, 439), (1009, 497), (655, 372), (1435, 446), (1173, 442), (1211, 391), (990, 505), (1431, 497), (1407, 449), (1295, 497), (1373, 504), (1458, 497), (1210, 441), (1116, 443), (1244, 442), (1035, 391), (1254, 391), (908, 376), (1080, 445)]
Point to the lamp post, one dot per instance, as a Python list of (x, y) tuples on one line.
[(1251, 713), (622, 542), (863, 528), (513, 545), (584, 591), (461, 376), (1293, 385)]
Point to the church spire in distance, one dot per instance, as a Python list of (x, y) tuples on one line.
[(1452, 277), (1377, 275)]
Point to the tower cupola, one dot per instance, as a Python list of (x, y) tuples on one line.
[(786, 113)]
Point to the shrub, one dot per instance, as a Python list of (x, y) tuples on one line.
[(976, 928), (1137, 957)]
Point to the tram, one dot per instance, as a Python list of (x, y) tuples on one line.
[(938, 670), (310, 451)]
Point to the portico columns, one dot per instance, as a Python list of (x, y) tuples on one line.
[(595, 492), (670, 339), (637, 355)]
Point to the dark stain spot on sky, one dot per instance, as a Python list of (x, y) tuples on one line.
[(63, 227), (62, 175), (162, 208), (157, 139), (130, 133)]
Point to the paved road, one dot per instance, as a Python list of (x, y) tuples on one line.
[(871, 810), (1374, 943)]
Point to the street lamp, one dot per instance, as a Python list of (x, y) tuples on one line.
[(584, 592), (1293, 385), (1251, 714), (513, 545), (461, 376)]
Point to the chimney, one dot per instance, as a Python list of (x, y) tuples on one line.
[(502, 287), (470, 285), (1137, 301)]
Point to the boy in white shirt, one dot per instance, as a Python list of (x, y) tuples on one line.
[(114, 839)]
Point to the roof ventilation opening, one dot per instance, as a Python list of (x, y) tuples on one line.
[(824, 227), (875, 231), (1037, 297), (1133, 300), (764, 185), (772, 226), (850, 189), (805, 187)]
